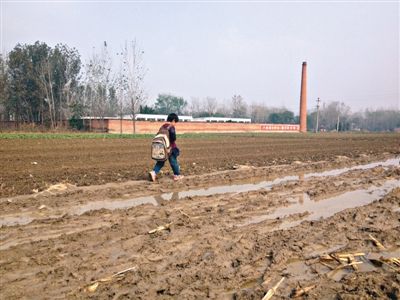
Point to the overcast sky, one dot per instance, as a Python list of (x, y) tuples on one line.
[(219, 49)]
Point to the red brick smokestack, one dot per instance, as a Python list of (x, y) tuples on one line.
[(303, 99)]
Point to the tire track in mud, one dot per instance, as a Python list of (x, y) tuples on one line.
[(205, 253), (29, 215)]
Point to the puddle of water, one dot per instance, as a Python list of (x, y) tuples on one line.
[(237, 188), (318, 250), (327, 207), (336, 172), (27, 217), (16, 220), (337, 275), (112, 205), (298, 270), (50, 234), (365, 266)]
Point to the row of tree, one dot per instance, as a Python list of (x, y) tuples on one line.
[(47, 86), (38, 83), (338, 116), (209, 107), (332, 116)]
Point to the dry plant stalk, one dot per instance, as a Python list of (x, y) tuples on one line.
[(393, 260), (327, 265), (95, 284), (302, 291), (161, 228), (326, 257), (272, 291), (352, 260), (333, 256), (92, 288), (349, 265), (185, 214), (344, 259), (347, 255), (377, 243)]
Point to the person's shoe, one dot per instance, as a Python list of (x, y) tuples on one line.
[(152, 176), (178, 177)]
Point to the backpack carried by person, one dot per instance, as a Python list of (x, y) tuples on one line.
[(160, 145)]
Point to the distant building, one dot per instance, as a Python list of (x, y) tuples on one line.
[(222, 120), (147, 123), (148, 117), (160, 118)]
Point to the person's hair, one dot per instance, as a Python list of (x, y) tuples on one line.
[(173, 117)]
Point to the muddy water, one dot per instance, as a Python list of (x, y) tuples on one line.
[(299, 270), (27, 217), (325, 207), (337, 172)]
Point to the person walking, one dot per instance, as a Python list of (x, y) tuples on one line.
[(172, 119)]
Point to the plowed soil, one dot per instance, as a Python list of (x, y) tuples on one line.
[(27, 166), (320, 211)]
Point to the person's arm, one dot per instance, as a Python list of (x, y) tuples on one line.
[(172, 135)]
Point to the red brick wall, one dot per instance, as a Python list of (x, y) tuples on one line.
[(96, 124), (114, 126)]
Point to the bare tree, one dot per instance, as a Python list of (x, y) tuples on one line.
[(98, 82), (210, 105), (259, 113), (132, 77), (239, 107), (224, 108), (4, 89), (122, 103), (332, 114), (57, 73), (195, 106), (45, 76)]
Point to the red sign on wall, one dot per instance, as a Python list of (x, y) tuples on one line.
[(280, 127)]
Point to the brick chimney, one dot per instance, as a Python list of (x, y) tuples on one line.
[(303, 99)]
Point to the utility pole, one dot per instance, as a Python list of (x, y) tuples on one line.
[(338, 116), (316, 126), (338, 121)]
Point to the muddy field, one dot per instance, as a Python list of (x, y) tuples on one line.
[(320, 214), (28, 166)]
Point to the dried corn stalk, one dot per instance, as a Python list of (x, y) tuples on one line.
[(302, 291), (392, 260), (95, 284), (352, 261), (92, 288), (347, 255), (161, 228), (272, 291), (349, 265), (327, 265), (377, 243), (395, 261)]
